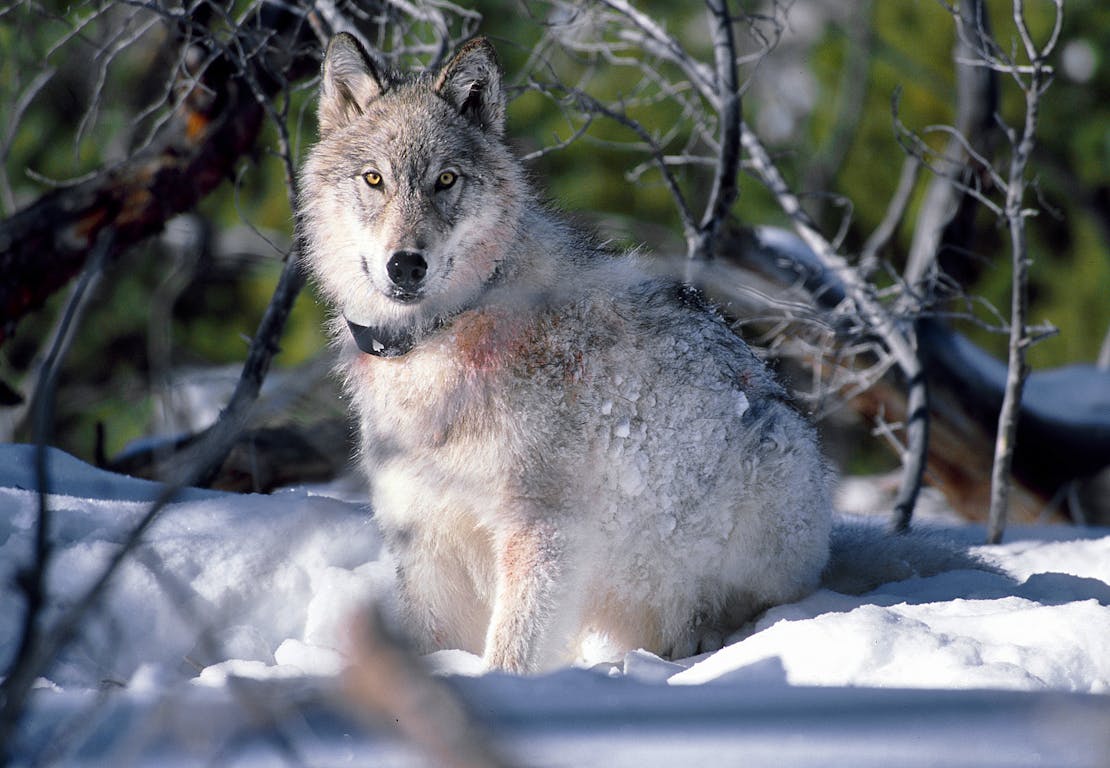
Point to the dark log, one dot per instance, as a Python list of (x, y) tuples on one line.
[(261, 460), (1063, 429)]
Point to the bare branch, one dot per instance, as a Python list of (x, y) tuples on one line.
[(586, 104), (1015, 214), (38, 82), (23, 669), (387, 684), (337, 23), (575, 135), (215, 125), (107, 54), (700, 75), (724, 189), (896, 209), (968, 147), (875, 317)]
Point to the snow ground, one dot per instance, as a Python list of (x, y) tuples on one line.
[(241, 603)]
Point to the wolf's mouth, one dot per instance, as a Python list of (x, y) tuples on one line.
[(404, 296)]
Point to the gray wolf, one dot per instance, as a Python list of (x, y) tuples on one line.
[(558, 445)]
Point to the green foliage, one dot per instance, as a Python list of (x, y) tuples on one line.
[(910, 51)]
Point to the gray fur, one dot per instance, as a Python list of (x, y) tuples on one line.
[(570, 447), (864, 555)]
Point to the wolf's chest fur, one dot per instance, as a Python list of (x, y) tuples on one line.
[(468, 382)]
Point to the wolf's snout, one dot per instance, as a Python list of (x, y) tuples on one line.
[(407, 270)]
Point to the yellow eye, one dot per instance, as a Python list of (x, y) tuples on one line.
[(373, 178), (445, 180)]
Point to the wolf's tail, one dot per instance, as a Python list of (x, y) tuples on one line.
[(865, 554)]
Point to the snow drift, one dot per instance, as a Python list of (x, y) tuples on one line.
[(231, 593)]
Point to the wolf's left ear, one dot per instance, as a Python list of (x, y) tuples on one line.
[(472, 82), (348, 84)]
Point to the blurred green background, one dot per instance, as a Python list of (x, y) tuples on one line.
[(212, 297)]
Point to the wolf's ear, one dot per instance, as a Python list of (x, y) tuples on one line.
[(472, 82), (348, 84)]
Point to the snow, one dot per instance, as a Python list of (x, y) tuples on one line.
[(240, 604)]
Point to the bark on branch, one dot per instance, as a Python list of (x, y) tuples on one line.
[(944, 223), (1015, 213), (724, 189), (896, 339)]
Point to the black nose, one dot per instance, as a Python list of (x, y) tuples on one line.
[(407, 270)]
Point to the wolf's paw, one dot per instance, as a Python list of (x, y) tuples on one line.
[(700, 638)]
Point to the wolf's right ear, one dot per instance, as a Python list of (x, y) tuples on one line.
[(348, 84)]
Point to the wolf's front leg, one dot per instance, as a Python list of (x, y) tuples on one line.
[(537, 605), (446, 582)]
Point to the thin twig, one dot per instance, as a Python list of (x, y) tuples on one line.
[(852, 91), (1103, 361), (699, 74), (967, 147), (23, 670), (38, 82), (896, 210), (897, 340), (1017, 368), (388, 685), (724, 190), (589, 105)]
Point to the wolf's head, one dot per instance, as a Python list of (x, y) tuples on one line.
[(410, 196)]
